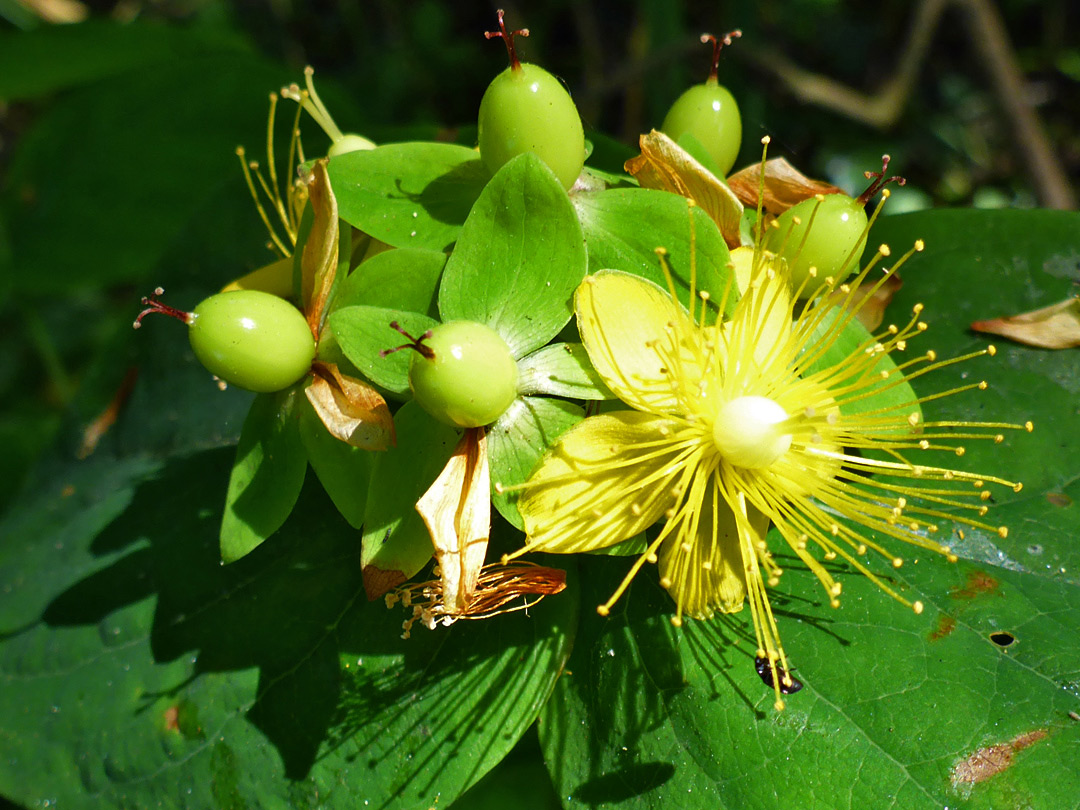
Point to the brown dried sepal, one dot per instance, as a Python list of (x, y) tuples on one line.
[(351, 410), (869, 301), (496, 588), (319, 260), (1053, 327), (457, 512), (666, 166), (785, 186)]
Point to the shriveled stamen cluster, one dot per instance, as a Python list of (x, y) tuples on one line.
[(497, 587)]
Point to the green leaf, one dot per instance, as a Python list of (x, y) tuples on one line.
[(886, 394), (517, 440), (343, 470), (403, 279), (396, 542), (139, 672), (409, 194), (519, 258), (692, 708), (363, 332), (267, 475), (624, 227), (562, 370)]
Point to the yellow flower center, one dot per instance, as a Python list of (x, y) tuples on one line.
[(750, 432)]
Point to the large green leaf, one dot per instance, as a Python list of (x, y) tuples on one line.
[(896, 707), (409, 194), (655, 717), (138, 672), (519, 259)]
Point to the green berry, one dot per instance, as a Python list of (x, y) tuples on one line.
[(826, 234), (708, 112), (526, 109), (248, 338), (463, 374)]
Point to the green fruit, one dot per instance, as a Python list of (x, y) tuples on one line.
[(463, 374), (526, 109), (828, 234), (252, 340), (709, 113)]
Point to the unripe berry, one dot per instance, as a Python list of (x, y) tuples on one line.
[(708, 112), (526, 109), (463, 374), (248, 338), (824, 236)]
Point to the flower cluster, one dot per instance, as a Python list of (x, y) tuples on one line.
[(753, 421)]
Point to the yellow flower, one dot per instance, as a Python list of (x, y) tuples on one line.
[(736, 426)]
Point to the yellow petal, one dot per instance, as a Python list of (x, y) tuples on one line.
[(628, 326), (761, 325), (457, 511), (702, 565), (605, 480)]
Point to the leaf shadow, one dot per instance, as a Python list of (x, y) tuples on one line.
[(335, 681)]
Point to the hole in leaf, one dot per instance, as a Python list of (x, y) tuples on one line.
[(1002, 639)]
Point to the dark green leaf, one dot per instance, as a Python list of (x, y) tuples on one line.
[(57, 57), (519, 259), (404, 279), (156, 170), (518, 439), (562, 370), (396, 542), (363, 332), (886, 710), (139, 672), (409, 194), (624, 227), (267, 475), (343, 470)]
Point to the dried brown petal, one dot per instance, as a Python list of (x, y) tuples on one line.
[(666, 166), (457, 511), (319, 261), (785, 186), (1053, 327), (350, 409), (870, 300), (497, 586)]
